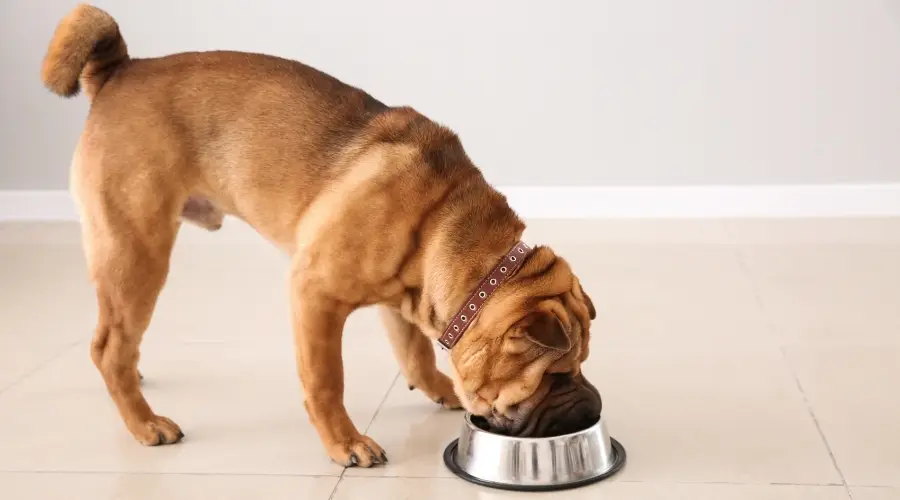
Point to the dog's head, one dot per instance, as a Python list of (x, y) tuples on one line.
[(519, 363)]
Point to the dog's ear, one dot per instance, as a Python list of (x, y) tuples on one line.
[(545, 329), (590, 304)]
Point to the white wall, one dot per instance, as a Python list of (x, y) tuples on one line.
[(590, 92)]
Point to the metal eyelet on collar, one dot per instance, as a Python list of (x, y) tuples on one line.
[(507, 267)]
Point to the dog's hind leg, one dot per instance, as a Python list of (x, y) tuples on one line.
[(128, 240), (415, 354)]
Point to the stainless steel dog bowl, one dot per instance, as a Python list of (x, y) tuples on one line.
[(534, 464)]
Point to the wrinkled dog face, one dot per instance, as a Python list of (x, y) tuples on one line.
[(519, 365)]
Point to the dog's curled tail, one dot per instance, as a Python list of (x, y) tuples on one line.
[(85, 51)]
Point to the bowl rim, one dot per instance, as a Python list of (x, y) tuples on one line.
[(587, 430)]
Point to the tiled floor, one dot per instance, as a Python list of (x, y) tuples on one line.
[(737, 360)]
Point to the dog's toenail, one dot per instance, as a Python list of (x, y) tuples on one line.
[(440, 401), (375, 458), (412, 387), (354, 460), (384, 457), (180, 435)]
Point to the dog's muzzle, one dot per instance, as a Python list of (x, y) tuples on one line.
[(571, 404)]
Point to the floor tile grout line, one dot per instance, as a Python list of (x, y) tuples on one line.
[(387, 393), (729, 232), (747, 274), (815, 419), (170, 473), (773, 329), (325, 476), (649, 481), (735, 483), (754, 287), (383, 400), (62, 352)]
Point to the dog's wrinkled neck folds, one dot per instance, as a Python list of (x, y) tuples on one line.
[(506, 268)]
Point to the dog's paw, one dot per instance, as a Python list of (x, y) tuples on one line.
[(156, 431), (361, 451), (440, 390), (450, 403)]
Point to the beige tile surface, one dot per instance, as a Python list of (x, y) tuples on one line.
[(44, 486), (239, 404), (737, 413), (810, 231), (415, 432), (705, 328), (709, 414), (34, 279), (352, 488), (853, 392), (18, 360), (671, 295), (875, 493), (33, 328), (834, 293)]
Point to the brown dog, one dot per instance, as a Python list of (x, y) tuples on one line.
[(374, 204)]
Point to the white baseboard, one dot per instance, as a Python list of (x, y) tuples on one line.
[(655, 202), (598, 202)]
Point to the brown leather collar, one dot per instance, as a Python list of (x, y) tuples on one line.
[(507, 267)]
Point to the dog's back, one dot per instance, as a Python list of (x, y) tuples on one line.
[(205, 124), (88, 51), (251, 135)]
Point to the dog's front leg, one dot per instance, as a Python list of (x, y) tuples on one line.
[(318, 329), (415, 354)]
